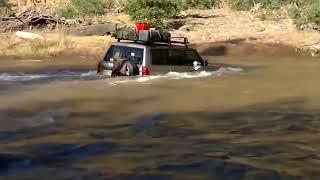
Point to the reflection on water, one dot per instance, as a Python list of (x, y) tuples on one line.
[(260, 125)]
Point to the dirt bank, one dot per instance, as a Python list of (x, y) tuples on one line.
[(242, 33), (223, 25), (240, 49), (217, 32)]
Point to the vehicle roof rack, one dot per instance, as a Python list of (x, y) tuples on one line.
[(185, 41), (170, 42)]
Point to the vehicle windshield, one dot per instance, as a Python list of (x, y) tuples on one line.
[(123, 52)]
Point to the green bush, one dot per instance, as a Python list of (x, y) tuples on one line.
[(248, 4), (82, 8), (4, 3), (67, 12), (5, 7), (307, 14), (302, 11), (313, 14), (242, 5), (196, 4), (154, 12)]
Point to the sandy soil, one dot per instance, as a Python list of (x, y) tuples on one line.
[(224, 25)]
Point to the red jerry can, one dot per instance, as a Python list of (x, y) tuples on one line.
[(141, 26)]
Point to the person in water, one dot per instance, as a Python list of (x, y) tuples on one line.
[(125, 67)]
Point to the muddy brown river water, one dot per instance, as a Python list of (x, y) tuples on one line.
[(259, 120)]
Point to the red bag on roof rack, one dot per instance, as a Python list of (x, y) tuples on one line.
[(141, 26)]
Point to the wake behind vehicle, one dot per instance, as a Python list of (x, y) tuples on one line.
[(145, 51)]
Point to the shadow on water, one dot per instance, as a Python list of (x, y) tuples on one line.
[(52, 155), (238, 144), (219, 169), (221, 48), (63, 154), (215, 51)]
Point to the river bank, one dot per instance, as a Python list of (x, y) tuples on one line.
[(216, 32)]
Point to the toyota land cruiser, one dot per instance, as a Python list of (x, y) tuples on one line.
[(143, 57)]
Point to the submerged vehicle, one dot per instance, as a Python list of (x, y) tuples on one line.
[(148, 51)]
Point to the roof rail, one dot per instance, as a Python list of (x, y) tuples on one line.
[(185, 42), (170, 42)]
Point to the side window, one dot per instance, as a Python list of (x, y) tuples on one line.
[(121, 52), (190, 57), (113, 52), (175, 57), (116, 53), (137, 52), (159, 56)]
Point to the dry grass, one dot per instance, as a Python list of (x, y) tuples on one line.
[(52, 45)]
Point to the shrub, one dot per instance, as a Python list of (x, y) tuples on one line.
[(248, 4), (242, 5), (4, 3), (82, 8), (313, 14), (196, 4), (307, 14), (154, 12), (5, 7), (67, 12), (303, 12)]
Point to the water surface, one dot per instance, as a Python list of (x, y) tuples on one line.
[(250, 123)]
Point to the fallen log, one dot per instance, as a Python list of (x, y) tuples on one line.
[(30, 18)]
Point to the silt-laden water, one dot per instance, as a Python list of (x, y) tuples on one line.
[(261, 121)]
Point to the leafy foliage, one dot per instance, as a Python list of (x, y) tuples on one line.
[(4, 3), (196, 4), (307, 14), (154, 12), (302, 11), (5, 6), (313, 14), (82, 8), (248, 4)]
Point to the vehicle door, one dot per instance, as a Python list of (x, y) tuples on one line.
[(178, 61), (191, 57), (113, 53), (159, 61)]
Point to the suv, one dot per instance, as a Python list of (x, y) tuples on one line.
[(153, 58)]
